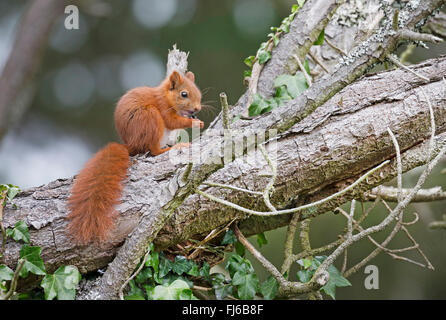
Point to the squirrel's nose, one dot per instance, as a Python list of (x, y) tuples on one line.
[(196, 109)]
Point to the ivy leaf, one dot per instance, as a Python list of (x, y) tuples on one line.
[(300, 3), (307, 66), (144, 275), (217, 278), (223, 290), (238, 264), (336, 280), (261, 239), (229, 237), (282, 95), (258, 106), (12, 192), (187, 295), (153, 261), (6, 273), (19, 232), (194, 270), (61, 284), (135, 292), (275, 38), (134, 297), (306, 263), (149, 291), (269, 288), (304, 275), (320, 38), (204, 271), (263, 56), (247, 285), (181, 265), (171, 291), (33, 261), (295, 84), (165, 266), (239, 248), (249, 61)]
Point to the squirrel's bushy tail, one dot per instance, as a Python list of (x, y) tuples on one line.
[(96, 190)]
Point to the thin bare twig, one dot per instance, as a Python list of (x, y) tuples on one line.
[(298, 209), (304, 71), (396, 62)]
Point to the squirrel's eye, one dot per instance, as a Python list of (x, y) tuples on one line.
[(184, 94)]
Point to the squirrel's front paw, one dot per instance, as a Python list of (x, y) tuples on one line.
[(181, 145), (196, 123)]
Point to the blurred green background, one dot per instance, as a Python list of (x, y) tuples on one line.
[(122, 44)]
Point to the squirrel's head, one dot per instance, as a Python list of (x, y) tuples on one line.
[(183, 95)]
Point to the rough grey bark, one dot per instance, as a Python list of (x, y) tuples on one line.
[(318, 155), (321, 154)]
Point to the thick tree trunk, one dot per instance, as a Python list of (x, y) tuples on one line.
[(316, 157)]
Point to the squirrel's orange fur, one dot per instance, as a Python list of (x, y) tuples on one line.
[(141, 117)]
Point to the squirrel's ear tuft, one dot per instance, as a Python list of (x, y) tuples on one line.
[(175, 80), (190, 75)]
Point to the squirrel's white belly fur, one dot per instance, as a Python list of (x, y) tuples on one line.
[(169, 138)]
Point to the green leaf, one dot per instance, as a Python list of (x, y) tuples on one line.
[(239, 248), (223, 290), (11, 192), (171, 291), (263, 56), (182, 265), (258, 106), (33, 261), (247, 285), (295, 84), (144, 275), (229, 237), (204, 271), (307, 66), (275, 38), (249, 61), (134, 297), (6, 273), (194, 270), (304, 275), (149, 291), (61, 284), (217, 278), (282, 95), (261, 239), (300, 3), (19, 232), (187, 295), (165, 266), (335, 280), (307, 263), (153, 261), (238, 264), (320, 38), (269, 288), (247, 73)]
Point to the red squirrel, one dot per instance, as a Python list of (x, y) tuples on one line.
[(144, 118)]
